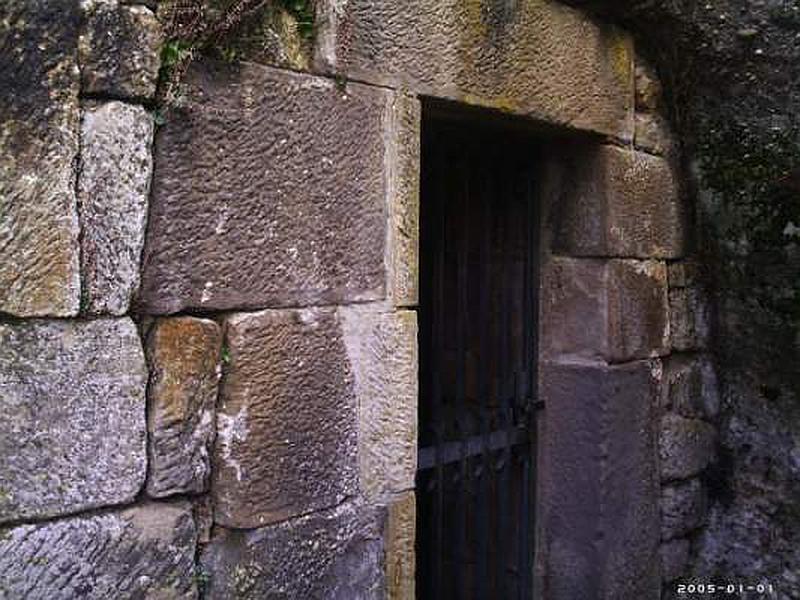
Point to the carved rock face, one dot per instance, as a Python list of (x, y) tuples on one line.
[(184, 355), (335, 554), (539, 59), (287, 424), (73, 432), (269, 191), (142, 552), (39, 122)]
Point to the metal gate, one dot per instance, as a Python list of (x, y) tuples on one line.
[(478, 316)]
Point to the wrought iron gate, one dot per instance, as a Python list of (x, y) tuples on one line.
[(476, 470)]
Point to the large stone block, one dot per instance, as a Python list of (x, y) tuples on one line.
[(332, 554), (116, 165), (120, 50), (142, 552), (683, 508), (270, 190), (612, 310), (537, 58), (690, 318), (72, 396), (404, 181), (39, 123), (690, 387), (382, 351), (599, 484), (674, 559), (184, 357), (686, 446), (401, 526), (287, 421), (652, 134), (619, 203)]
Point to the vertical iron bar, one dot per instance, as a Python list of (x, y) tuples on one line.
[(461, 361), (484, 385), (437, 396)]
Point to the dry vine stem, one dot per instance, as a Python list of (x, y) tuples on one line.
[(191, 27)]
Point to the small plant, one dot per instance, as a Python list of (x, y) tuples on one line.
[(173, 52), (219, 27), (303, 12)]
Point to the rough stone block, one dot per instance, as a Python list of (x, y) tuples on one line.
[(287, 422), (404, 172), (690, 318), (72, 398), (599, 488), (269, 191), (652, 134), (690, 387), (382, 351), (683, 508), (401, 525), (674, 559), (540, 59), (39, 123), (611, 310), (648, 88), (184, 355), (332, 554), (120, 50), (686, 446), (684, 273), (116, 165), (619, 203), (142, 552)]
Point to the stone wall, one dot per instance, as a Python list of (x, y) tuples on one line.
[(629, 390), (208, 339)]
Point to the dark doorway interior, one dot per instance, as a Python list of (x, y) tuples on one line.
[(477, 316)]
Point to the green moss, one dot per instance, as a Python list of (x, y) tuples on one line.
[(750, 177), (173, 52), (278, 32)]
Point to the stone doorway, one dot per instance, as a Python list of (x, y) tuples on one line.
[(477, 337)]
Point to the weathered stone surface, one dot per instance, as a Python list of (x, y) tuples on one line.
[(674, 559), (404, 173), (686, 446), (652, 134), (335, 554), (648, 88), (39, 122), (184, 355), (142, 552), (637, 309), (684, 273), (599, 487), (269, 191), (382, 352), (619, 202), (683, 508), (120, 51), (287, 422), (72, 435), (690, 318), (539, 59), (401, 527), (690, 387), (612, 310), (271, 33), (116, 165)]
